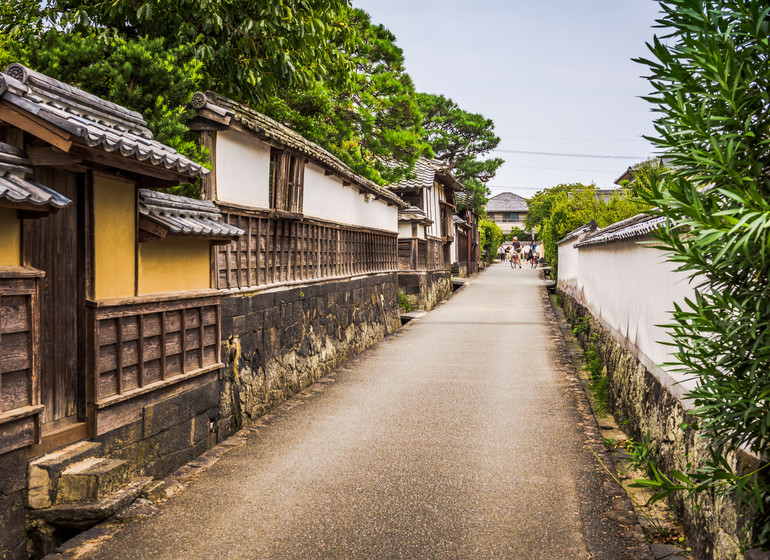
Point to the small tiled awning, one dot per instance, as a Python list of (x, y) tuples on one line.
[(414, 214), (164, 215), (17, 190)]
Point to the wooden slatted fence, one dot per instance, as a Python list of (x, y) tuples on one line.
[(284, 250)]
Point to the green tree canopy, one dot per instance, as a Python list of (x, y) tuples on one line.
[(249, 48), (371, 121), (555, 212), (461, 140)]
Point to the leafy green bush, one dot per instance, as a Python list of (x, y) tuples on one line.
[(711, 80), (555, 212), (491, 238), (403, 301)]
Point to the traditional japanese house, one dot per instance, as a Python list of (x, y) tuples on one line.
[(426, 233), (109, 322), (313, 279), (465, 248)]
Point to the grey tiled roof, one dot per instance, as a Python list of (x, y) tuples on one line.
[(506, 202), (414, 214), (282, 135), (92, 120), (586, 228), (185, 216), (635, 227), (425, 172), (18, 188)]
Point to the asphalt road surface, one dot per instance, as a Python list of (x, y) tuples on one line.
[(460, 436)]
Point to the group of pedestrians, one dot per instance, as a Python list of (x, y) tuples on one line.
[(516, 254)]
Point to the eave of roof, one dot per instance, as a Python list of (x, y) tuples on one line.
[(283, 136), (91, 121), (414, 214), (182, 216), (586, 228), (18, 189), (635, 227)]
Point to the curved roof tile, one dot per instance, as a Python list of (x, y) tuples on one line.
[(97, 122)]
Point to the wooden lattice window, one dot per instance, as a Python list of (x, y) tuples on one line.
[(287, 177)]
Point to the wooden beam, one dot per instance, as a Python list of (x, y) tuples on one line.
[(35, 126), (115, 159), (51, 156)]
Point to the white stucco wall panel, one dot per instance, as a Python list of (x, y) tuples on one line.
[(242, 170), (632, 289), (326, 198)]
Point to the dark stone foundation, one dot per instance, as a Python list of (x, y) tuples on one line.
[(715, 526), (276, 343), (425, 290)]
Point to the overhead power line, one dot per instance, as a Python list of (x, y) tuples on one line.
[(577, 139), (614, 172), (555, 154)]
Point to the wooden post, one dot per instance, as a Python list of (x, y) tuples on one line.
[(140, 349)]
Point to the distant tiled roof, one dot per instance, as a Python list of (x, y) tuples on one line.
[(284, 136), (182, 216), (425, 171), (635, 227), (18, 188), (414, 214), (506, 202), (98, 123)]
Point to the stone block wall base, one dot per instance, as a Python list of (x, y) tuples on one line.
[(276, 343), (715, 527), (425, 290)]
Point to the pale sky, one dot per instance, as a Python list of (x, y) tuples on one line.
[(555, 76)]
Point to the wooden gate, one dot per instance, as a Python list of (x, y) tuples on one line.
[(56, 246)]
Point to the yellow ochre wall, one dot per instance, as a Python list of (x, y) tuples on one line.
[(114, 238), (10, 238), (174, 265)]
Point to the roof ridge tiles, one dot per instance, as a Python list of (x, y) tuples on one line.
[(72, 97)]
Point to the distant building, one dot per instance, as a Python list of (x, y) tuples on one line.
[(507, 210)]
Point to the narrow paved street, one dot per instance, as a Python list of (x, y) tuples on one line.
[(458, 437)]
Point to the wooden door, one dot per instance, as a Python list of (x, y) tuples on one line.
[(52, 244)]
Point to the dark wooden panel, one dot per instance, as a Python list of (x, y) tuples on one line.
[(15, 352), (16, 390), (52, 245), (14, 314)]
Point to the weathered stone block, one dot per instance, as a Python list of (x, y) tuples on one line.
[(91, 480), (12, 523), (13, 472), (260, 302), (121, 437), (162, 415)]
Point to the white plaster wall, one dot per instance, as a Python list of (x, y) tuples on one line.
[(326, 198), (242, 170), (432, 208), (632, 289), (568, 268)]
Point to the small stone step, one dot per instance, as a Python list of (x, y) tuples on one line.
[(82, 516), (91, 480), (412, 315), (44, 473)]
